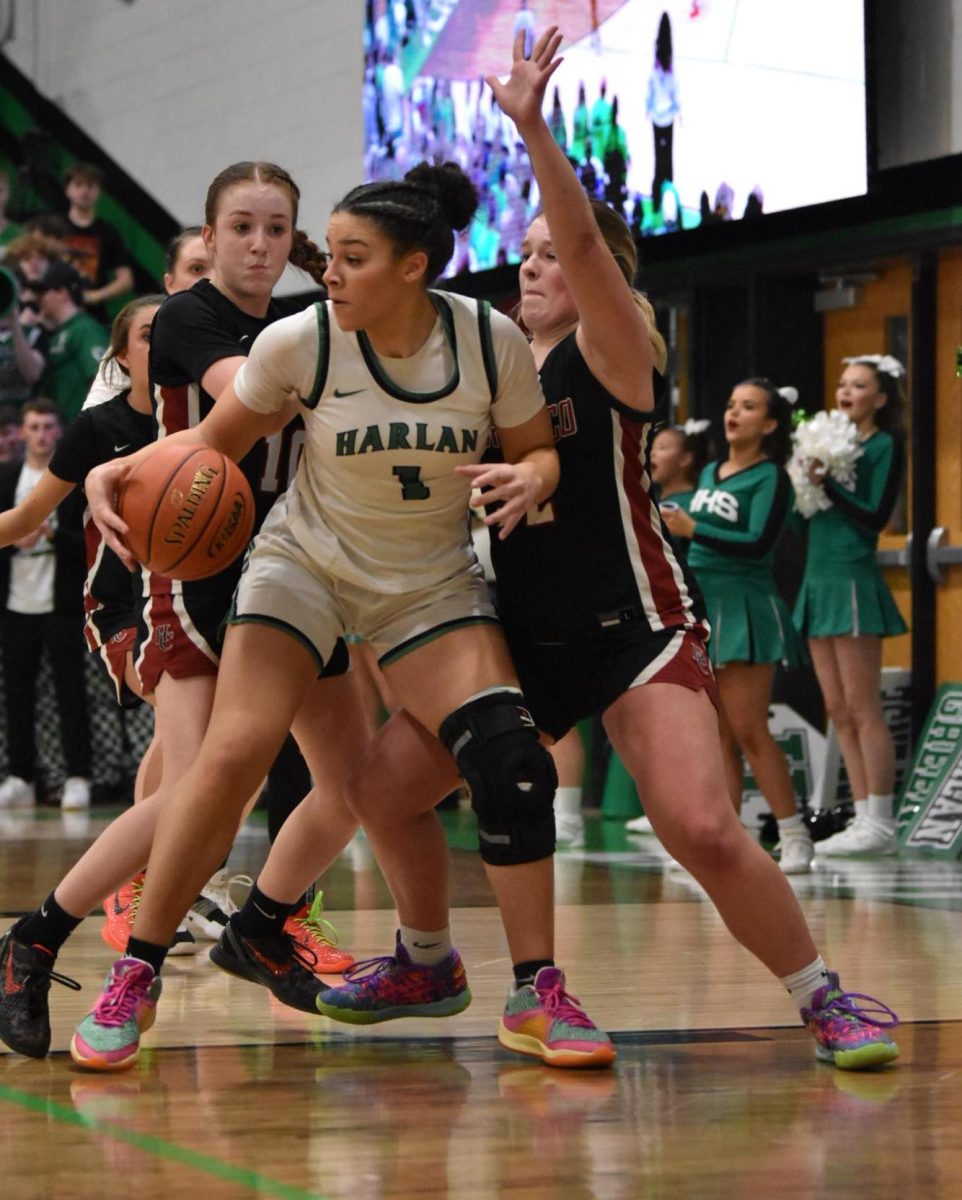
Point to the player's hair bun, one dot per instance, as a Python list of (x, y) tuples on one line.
[(455, 192)]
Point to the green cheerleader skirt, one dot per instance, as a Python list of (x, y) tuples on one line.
[(750, 622), (846, 603)]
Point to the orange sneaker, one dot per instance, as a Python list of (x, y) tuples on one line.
[(119, 912), (318, 937)]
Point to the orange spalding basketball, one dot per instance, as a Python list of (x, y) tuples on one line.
[(189, 511)]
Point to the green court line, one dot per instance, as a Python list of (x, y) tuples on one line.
[(158, 1147)]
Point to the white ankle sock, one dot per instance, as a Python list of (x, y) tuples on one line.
[(790, 824), (426, 947), (881, 806), (803, 984), (567, 801)]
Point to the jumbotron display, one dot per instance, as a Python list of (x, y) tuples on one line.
[(678, 113)]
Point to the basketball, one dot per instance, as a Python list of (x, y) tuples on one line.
[(189, 511)]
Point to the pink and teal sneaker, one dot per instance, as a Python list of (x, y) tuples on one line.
[(851, 1037), (381, 989), (108, 1038), (544, 1021)]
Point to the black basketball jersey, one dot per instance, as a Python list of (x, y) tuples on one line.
[(594, 556), (97, 435), (192, 331)]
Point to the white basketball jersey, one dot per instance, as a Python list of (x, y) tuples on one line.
[(375, 500)]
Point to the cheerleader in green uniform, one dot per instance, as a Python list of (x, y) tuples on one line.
[(678, 456), (844, 607), (735, 519)]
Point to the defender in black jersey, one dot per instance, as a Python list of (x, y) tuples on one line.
[(120, 426), (601, 618)]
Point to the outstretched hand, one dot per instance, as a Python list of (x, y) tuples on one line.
[(521, 96)]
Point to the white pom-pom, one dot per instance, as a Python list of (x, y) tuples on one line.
[(832, 439)]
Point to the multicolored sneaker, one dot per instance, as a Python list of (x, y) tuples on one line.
[(26, 973), (120, 908), (851, 1037), (381, 989), (317, 936), (108, 1038), (275, 962), (544, 1021)]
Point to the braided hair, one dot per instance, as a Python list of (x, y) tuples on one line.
[(419, 212)]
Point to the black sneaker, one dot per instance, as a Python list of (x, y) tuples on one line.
[(25, 975), (274, 962)]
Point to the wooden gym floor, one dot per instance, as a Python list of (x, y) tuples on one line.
[(716, 1092)]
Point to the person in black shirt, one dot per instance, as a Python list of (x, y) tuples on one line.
[(98, 251), (121, 425)]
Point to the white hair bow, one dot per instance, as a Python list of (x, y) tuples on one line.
[(788, 393), (887, 364), (692, 426)]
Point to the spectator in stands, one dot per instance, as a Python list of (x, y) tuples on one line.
[(97, 248), (21, 363), (77, 342), (41, 594), (11, 441), (8, 230)]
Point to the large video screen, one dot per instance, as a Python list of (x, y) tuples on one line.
[(678, 112)]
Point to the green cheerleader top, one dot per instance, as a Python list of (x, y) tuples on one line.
[(849, 530), (739, 519)]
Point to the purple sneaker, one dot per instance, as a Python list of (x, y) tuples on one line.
[(380, 989), (851, 1037)]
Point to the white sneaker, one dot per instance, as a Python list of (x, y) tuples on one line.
[(209, 913), (569, 831), (183, 942), (874, 837), (76, 794), (639, 825), (17, 793), (796, 852)]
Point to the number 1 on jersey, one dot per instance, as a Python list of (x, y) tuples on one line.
[(411, 486)]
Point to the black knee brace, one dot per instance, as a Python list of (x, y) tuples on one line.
[(511, 776)]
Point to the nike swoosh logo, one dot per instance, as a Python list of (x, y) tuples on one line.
[(43, 911), (270, 916), (244, 337), (427, 945), (340, 395), (117, 449)]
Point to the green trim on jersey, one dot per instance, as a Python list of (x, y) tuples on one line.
[(432, 635), (487, 346), (384, 381), (323, 354)]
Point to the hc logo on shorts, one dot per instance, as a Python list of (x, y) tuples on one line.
[(701, 659), (164, 637), (119, 637)]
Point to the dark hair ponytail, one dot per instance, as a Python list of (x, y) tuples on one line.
[(419, 212), (776, 445)]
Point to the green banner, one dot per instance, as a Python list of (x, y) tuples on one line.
[(930, 811)]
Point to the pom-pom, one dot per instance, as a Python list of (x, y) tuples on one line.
[(831, 439)]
